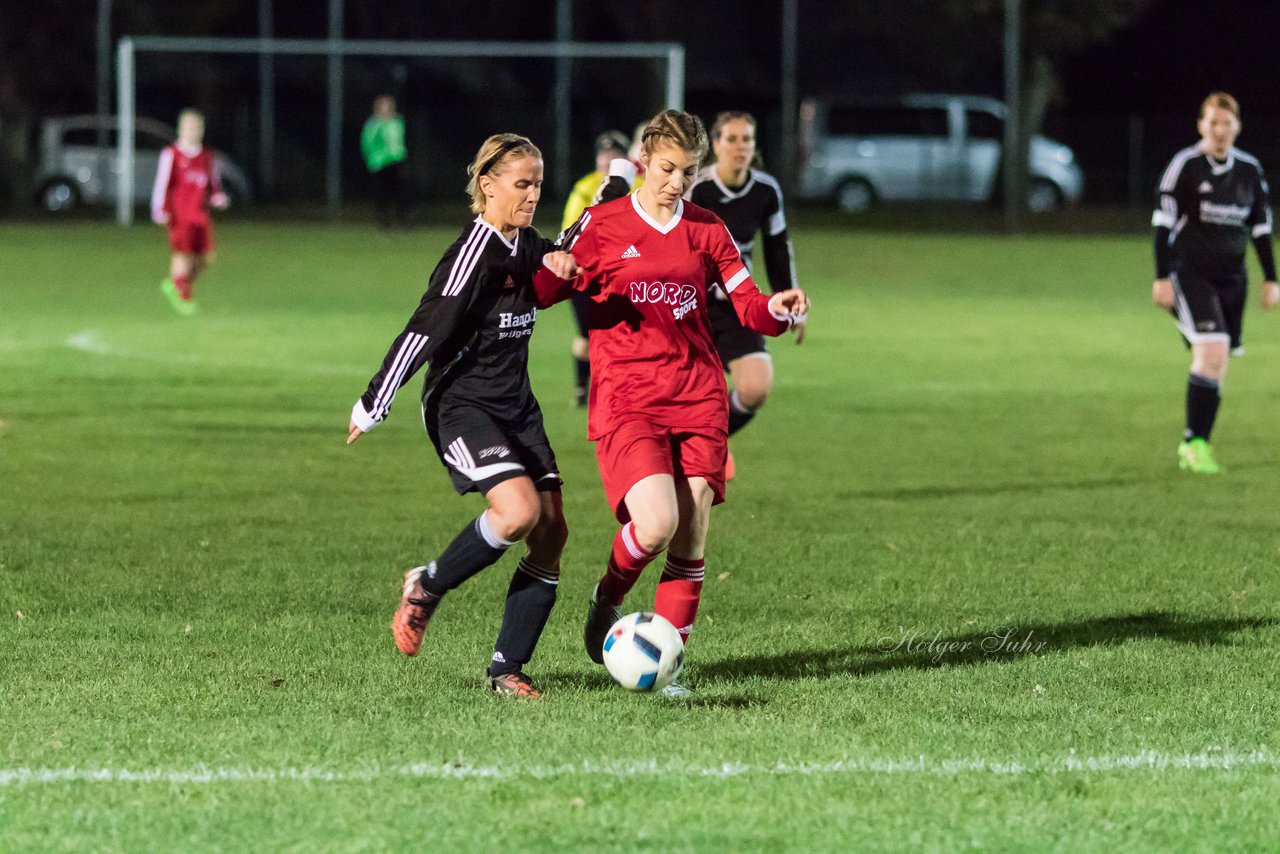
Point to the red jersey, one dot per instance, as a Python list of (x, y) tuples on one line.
[(652, 357), (185, 180)]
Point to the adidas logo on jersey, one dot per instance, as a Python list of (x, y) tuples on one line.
[(1205, 187), (631, 252)]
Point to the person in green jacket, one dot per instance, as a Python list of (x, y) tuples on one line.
[(382, 144)]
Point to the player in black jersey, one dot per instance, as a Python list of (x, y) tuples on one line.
[(748, 200), (473, 326), (1212, 200)]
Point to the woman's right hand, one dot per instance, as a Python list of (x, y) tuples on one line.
[(1162, 293)]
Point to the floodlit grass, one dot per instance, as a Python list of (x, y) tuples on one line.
[(959, 597)]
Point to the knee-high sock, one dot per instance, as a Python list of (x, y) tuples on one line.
[(529, 600), (1203, 397), (627, 560), (679, 590), (739, 413), (475, 547)]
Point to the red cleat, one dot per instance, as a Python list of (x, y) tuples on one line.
[(416, 608)]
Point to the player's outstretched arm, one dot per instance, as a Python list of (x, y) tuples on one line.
[(442, 310), (792, 303), (553, 282)]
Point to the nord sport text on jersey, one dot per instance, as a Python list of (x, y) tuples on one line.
[(683, 297)]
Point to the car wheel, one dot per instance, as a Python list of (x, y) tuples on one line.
[(855, 196), (1043, 196), (59, 196)]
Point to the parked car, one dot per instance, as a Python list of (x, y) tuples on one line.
[(921, 148), (79, 162)]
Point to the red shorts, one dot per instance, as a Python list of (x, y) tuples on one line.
[(637, 449), (193, 239)]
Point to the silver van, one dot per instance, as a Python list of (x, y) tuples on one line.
[(75, 170), (921, 148)]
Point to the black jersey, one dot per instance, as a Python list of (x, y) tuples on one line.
[(755, 206), (1211, 209), (472, 326)]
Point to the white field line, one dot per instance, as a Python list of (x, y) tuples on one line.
[(1145, 761), (88, 341)]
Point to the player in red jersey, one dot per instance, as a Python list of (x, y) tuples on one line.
[(658, 405), (187, 185)]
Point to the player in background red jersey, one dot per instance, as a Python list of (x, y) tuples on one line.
[(187, 185), (658, 406)]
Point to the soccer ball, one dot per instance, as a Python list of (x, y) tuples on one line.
[(644, 652)]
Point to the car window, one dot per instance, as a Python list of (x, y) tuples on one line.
[(984, 125), (886, 121)]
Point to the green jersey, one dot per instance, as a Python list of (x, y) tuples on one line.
[(382, 142)]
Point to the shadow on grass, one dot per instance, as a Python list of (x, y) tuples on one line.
[(597, 679), (925, 649)]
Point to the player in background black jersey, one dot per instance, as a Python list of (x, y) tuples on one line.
[(1212, 200), (473, 326), (749, 200)]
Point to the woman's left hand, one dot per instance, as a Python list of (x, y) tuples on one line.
[(794, 302), (1270, 295)]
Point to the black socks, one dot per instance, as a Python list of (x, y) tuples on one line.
[(529, 600), (1203, 397)]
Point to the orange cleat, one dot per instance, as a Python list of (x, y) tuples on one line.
[(514, 685), (416, 608), (729, 467)]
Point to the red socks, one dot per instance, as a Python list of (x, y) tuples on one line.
[(626, 563), (183, 284), (679, 590)]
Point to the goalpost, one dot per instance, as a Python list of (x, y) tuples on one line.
[(671, 53)]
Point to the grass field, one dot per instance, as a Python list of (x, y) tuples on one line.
[(960, 596)]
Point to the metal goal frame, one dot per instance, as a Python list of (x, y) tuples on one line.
[(128, 48)]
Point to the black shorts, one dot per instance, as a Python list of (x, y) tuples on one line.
[(480, 452), (1209, 308), (732, 339)]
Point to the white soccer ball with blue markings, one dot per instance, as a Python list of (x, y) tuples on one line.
[(644, 652)]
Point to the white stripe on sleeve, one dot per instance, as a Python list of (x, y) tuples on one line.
[(736, 279), (409, 350), (466, 261)]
